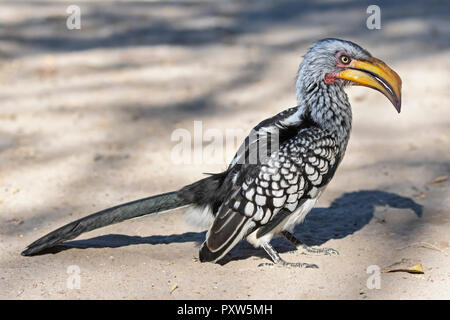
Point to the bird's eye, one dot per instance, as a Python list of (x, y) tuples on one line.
[(345, 59)]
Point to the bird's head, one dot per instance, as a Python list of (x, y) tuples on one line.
[(340, 62)]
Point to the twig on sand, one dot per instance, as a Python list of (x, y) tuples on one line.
[(423, 245)]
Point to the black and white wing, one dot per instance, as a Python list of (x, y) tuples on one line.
[(255, 193)]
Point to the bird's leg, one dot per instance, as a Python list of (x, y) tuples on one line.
[(304, 249), (277, 260)]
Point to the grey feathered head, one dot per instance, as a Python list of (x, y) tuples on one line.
[(339, 62)]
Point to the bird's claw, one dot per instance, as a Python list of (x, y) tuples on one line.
[(289, 264), (317, 251)]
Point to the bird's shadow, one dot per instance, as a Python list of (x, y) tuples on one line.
[(346, 215)]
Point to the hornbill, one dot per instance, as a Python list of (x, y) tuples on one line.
[(260, 199)]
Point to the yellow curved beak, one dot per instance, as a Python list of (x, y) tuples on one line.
[(377, 75)]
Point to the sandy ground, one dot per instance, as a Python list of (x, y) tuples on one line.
[(86, 120)]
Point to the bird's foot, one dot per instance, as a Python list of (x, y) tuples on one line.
[(280, 262), (283, 263), (304, 249)]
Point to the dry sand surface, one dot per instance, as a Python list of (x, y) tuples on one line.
[(86, 119)]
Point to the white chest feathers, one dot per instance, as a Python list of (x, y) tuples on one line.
[(298, 215)]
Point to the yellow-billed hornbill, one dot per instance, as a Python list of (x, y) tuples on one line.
[(260, 199)]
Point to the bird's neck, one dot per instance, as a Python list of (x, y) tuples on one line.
[(327, 106)]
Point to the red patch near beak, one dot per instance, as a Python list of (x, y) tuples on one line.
[(330, 78)]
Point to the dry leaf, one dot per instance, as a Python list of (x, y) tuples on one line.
[(416, 269), (438, 180)]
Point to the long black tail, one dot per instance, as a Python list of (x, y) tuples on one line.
[(162, 202)]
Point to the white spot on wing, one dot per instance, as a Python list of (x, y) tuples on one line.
[(249, 207), (260, 200), (279, 202)]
